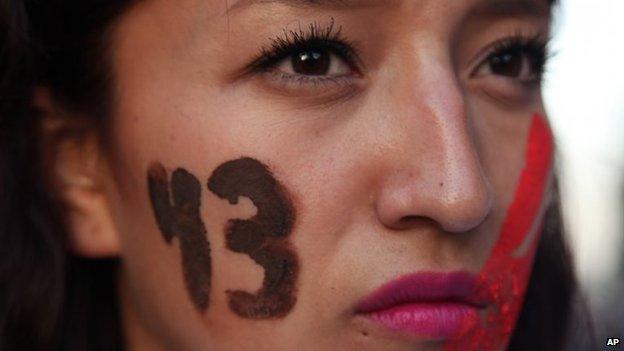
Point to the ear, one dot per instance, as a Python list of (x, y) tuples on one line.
[(78, 173)]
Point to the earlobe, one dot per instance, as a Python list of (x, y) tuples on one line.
[(77, 173), (90, 227)]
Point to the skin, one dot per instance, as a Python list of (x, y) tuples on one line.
[(409, 165)]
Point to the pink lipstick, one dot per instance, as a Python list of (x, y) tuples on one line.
[(430, 305)]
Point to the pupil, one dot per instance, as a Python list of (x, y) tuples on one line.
[(311, 62), (507, 63)]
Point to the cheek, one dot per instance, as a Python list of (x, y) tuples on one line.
[(181, 218), (264, 237), (503, 279)]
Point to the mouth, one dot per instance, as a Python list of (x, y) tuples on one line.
[(434, 306)]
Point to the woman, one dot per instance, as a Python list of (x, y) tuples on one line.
[(279, 175)]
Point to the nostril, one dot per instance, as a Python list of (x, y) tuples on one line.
[(410, 222)]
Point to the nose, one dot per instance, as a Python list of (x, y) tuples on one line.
[(437, 174)]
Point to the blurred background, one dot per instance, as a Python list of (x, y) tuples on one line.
[(584, 96)]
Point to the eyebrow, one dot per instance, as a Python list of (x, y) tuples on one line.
[(307, 3), (510, 8), (489, 7)]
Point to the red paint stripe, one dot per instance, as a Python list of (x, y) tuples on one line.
[(503, 279), (530, 191)]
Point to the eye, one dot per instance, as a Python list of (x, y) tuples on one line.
[(510, 63), (517, 59), (305, 59), (314, 61)]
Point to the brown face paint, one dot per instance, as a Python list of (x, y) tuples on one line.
[(179, 217), (264, 237)]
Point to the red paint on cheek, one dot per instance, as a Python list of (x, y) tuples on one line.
[(503, 279)]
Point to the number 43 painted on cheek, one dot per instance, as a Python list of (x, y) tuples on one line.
[(264, 237)]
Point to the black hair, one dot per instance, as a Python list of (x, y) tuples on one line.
[(53, 300), (50, 299)]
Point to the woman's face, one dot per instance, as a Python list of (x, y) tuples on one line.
[(327, 175)]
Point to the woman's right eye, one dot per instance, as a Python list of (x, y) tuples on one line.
[(313, 61), (308, 58)]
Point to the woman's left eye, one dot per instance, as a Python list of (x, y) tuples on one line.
[(522, 62), (313, 62)]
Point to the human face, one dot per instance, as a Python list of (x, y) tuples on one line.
[(327, 175)]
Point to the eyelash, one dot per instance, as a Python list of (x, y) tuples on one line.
[(316, 36), (329, 38), (534, 47)]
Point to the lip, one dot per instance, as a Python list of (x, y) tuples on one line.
[(427, 305)]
